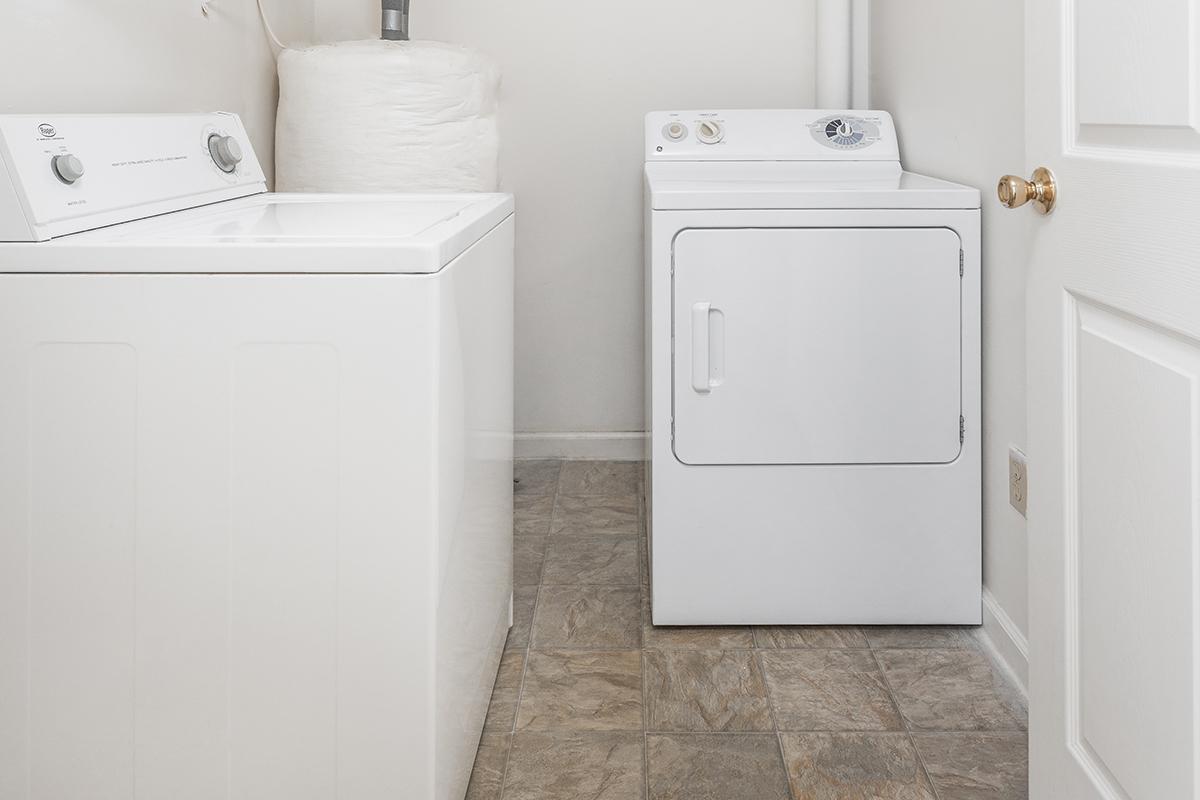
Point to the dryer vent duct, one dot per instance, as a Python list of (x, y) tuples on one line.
[(395, 20)]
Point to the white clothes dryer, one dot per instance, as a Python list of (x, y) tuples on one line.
[(814, 374), (255, 471)]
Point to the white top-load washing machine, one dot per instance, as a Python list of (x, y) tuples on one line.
[(255, 471), (813, 372)]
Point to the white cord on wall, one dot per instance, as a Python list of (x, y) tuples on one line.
[(206, 6), (262, 12)]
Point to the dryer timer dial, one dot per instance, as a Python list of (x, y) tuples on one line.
[(710, 131), (845, 132)]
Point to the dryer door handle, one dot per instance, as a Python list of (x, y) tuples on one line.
[(701, 377)]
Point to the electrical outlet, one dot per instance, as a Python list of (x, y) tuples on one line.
[(1018, 480)]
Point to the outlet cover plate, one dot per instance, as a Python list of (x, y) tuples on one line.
[(1018, 480)]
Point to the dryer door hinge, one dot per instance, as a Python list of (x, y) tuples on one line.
[(962, 429), (962, 259)]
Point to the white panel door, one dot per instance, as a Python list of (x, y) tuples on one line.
[(817, 346), (1113, 94)]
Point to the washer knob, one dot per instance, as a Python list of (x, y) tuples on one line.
[(675, 131), (710, 131), (67, 168), (225, 151)]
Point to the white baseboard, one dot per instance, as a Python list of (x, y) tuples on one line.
[(608, 446), (1007, 645)]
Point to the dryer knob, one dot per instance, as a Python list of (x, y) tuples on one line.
[(710, 131), (675, 131)]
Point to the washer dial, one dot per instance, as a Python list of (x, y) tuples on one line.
[(67, 168), (225, 151)]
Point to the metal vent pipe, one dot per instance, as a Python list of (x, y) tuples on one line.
[(395, 20), (834, 53)]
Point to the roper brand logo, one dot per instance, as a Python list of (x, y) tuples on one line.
[(47, 130)]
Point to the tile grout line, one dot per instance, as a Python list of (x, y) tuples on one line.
[(527, 651), (816, 731), (549, 528), (645, 722), (512, 734), (757, 655), (537, 595), (643, 610), (904, 721)]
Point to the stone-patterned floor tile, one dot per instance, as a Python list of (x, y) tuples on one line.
[(670, 637), (592, 559), (705, 691), (529, 552), (600, 477), (487, 776), (807, 636), (977, 766), (715, 767), (601, 617), (536, 477), (828, 690), (523, 599), (944, 690), (585, 514), (854, 766), (502, 710), (582, 690), (903, 637), (532, 514), (576, 766)]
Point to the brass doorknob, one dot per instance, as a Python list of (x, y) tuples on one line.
[(1042, 190)]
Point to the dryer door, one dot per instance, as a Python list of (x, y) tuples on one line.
[(817, 346)]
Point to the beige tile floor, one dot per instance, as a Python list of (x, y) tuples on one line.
[(594, 703)]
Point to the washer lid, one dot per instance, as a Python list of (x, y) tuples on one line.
[(797, 185), (313, 233)]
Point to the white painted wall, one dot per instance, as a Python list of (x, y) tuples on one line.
[(146, 56), (578, 80), (342, 20), (960, 113)]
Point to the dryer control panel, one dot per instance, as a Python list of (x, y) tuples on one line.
[(771, 135)]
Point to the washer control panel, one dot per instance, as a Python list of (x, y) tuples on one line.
[(845, 132), (61, 174), (771, 135)]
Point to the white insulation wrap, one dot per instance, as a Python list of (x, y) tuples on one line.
[(377, 116)]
